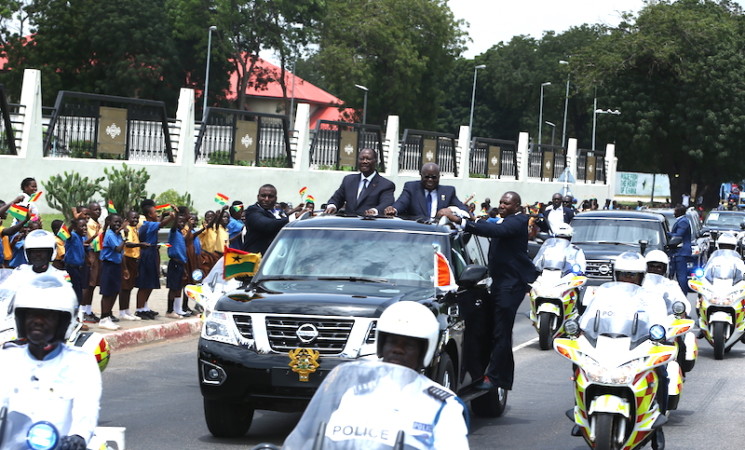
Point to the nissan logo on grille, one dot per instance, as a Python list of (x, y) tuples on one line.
[(307, 333), (604, 269)]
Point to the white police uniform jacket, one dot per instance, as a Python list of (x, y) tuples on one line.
[(370, 414), (64, 388)]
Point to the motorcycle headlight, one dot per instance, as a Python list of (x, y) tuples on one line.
[(610, 375), (218, 328), (724, 300), (42, 436)]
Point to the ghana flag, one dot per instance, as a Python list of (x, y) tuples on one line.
[(110, 207), (63, 233), (221, 199), (36, 196), (18, 211), (96, 243), (240, 263), (161, 208)]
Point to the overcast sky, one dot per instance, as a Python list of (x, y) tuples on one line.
[(492, 21)]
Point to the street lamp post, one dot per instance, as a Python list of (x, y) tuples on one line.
[(566, 106), (364, 105), (540, 113), (207, 71), (595, 113), (473, 97), (553, 130)]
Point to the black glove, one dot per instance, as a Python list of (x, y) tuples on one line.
[(73, 442)]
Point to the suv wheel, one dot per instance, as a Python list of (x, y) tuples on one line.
[(491, 404), (446, 372), (227, 419)]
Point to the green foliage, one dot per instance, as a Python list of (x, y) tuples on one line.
[(80, 149), (126, 187), (219, 157), (66, 191), (174, 198)]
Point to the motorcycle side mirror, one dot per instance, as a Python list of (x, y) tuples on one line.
[(542, 236), (472, 275), (742, 226), (643, 246), (678, 309), (657, 333), (571, 327)]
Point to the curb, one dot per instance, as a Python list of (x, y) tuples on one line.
[(143, 335)]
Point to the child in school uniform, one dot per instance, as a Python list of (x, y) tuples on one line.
[(59, 259), (111, 270), (130, 264), (28, 189), (207, 241), (176, 273), (17, 241), (75, 257), (148, 277), (93, 229), (6, 253)]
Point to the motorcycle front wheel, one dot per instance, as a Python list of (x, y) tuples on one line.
[(718, 339), (605, 432), (545, 331)]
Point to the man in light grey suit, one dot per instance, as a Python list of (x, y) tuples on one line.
[(422, 199)]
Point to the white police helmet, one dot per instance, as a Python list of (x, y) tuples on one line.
[(412, 319), (40, 239), (657, 256), (50, 293), (727, 239), (564, 230), (629, 262)]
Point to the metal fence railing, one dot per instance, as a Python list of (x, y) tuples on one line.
[(108, 127), (419, 147), (590, 166), (243, 138), (493, 158), (334, 145), (546, 162), (10, 125)]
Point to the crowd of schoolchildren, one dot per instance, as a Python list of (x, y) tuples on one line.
[(123, 252)]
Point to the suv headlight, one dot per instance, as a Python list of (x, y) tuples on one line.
[(218, 328), (610, 375)]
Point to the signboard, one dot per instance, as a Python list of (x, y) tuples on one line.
[(429, 151), (494, 161), (348, 148), (548, 166), (246, 138), (590, 174), (640, 184), (112, 130)]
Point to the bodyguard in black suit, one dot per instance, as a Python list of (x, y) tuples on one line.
[(422, 199), (511, 270), (263, 222), (555, 213), (365, 193)]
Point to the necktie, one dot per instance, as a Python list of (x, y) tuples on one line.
[(428, 195), (364, 186)]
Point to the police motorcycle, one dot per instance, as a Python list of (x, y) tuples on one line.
[(555, 293), (19, 432), (721, 295), (615, 352), (207, 290)]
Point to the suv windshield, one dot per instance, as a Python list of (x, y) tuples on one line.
[(727, 220), (392, 256), (609, 230)]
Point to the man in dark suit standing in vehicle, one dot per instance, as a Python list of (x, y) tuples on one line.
[(263, 221), (422, 199), (364, 194), (555, 214), (511, 270)]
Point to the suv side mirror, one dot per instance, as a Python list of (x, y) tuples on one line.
[(471, 275), (742, 226), (674, 242), (542, 235)]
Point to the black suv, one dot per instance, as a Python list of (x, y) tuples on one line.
[(314, 304), (603, 235)]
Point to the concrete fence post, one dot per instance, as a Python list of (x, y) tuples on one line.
[(464, 149), (523, 156), (302, 124), (391, 141), (32, 140), (572, 156), (185, 118), (611, 163)]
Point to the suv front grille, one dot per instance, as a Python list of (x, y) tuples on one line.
[(600, 269), (331, 334), (243, 323)]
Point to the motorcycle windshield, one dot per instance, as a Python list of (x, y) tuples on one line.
[(724, 267), (552, 256), (614, 312), (355, 404)]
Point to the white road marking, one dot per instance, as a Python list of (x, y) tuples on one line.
[(524, 344)]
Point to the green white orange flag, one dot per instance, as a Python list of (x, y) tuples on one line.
[(110, 207), (240, 263), (444, 279), (221, 199), (36, 196), (18, 211), (63, 233)]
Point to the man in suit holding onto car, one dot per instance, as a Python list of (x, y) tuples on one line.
[(366, 193), (422, 199), (263, 222)]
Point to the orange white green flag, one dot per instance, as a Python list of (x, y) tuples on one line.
[(240, 263)]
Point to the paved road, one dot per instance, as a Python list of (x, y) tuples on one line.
[(153, 391)]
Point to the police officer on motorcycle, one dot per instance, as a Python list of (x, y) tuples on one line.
[(394, 398), (43, 378)]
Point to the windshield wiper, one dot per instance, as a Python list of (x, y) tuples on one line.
[(280, 278), (363, 279), (608, 243)]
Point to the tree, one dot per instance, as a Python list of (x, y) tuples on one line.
[(70, 190), (126, 187), (674, 73), (398, 49)]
